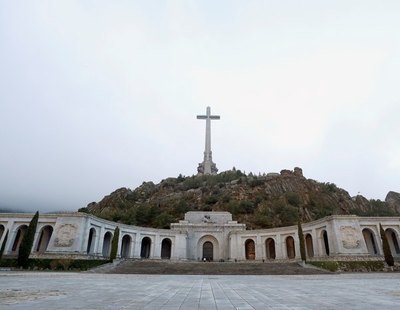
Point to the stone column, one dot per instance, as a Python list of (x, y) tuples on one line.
[(157, 247), (137, 245), (279, 251)]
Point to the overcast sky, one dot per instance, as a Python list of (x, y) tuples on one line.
[(98, 95)]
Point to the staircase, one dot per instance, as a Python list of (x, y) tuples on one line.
[(210, 268)]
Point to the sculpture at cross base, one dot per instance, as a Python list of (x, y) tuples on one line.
[(207, 166)]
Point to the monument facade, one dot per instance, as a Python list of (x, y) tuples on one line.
[(212, 236)]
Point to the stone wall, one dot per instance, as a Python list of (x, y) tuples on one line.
[(83, 235)]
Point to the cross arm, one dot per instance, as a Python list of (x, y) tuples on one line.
[(201, 116)]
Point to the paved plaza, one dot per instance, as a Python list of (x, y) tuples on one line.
[(49, 290)]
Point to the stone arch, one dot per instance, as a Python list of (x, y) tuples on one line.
[(290, 250), (1, 231), (21, 231), (250, 249), (107, 244), (166, 246), (209, 251), (126, 246), (325, 242), (91, 241), (309, 246), (370, 241), (393, 240), (145, 250), (44, 239), (270, 248)]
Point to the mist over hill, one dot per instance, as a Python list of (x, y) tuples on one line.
[(260, 201)]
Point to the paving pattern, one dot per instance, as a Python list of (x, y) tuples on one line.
[(49, 290)]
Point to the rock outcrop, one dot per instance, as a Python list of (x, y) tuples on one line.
[(393, 201), (261, 201)]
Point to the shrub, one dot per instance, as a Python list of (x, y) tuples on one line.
[(114, 244), (8, 262), (328, 265), (27, 242), (293, 199), (60, 264), (350, 266), (246, 207), (213, 199), (57, 264), (85, 264)]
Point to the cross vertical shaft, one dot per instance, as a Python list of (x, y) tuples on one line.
[(207, 166)]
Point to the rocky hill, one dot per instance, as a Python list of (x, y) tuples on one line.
[(261, 201)]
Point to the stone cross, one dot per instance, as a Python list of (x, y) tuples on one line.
[(207, 166)]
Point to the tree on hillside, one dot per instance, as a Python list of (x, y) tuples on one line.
[(386, 248), (114, 244), (301, 241), (27, 242)]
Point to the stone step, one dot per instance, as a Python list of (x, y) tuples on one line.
[(214, 268)]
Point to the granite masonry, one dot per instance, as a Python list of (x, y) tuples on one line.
[(212, 236)]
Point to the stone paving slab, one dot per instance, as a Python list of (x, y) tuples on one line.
[(48, 290)]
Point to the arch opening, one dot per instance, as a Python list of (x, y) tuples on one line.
[(270, 248), (393, 241), (208, 248), (291, 252), (208, 251), (370, 241), (250, 249), (166, 246), (309, 246), (325, 242), (107, 244), (1, 231), (44, 239), (18, 238), (126, 246), (91, 241), (146, 247)]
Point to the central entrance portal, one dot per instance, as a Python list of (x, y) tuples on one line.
[(208, 251)]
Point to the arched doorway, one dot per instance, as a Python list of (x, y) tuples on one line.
[(145, 249), (91, 241), (107, 244), (370, 241), (270, 248), (208, 248), (325, 242), (126, 246), (291, 252), (18, 238), (208, 251), (166, 245), (250, 249), (393, 241), (309, 246), (44, 239)]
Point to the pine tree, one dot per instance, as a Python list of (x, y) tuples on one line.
[(301, 240), (27, 242), (386, 248), (3, 246), (114, 244)]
